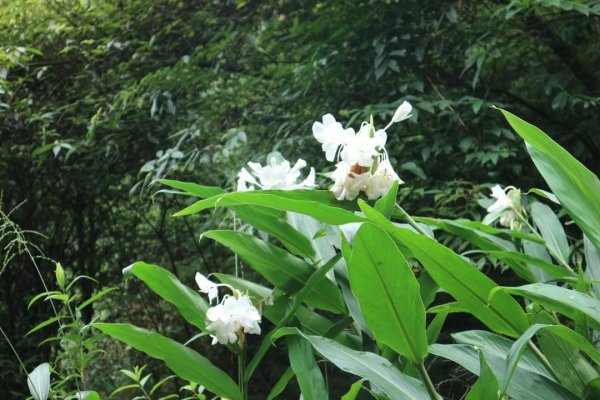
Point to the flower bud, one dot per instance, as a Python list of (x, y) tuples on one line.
[(403, 112)]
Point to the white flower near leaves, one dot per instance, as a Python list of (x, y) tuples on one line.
[(276, 175), (331, 135), (207, 286), (503, 202), (403, 112), (232, 317), (349, 180), (505, 207), (364, 146), (381, 181), (362, 165)]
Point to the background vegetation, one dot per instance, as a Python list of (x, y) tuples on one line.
[(99, 98)]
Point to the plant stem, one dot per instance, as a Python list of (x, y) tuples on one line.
[(411, 221), (242, 372), (538, 353), (556, 256), (428, 383)]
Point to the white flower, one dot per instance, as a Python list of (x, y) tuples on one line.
[(331, 135), (275, 175), (207, 286), (349, 180), (361, 149), (403, 112), (232, 317), (381, 181), (503, 201)]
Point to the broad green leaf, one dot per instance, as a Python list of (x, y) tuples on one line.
[(500, 346), (369, 366), (183, 361), (308, 374), (463, 281), (262, 219), (592, 390), (189, 303), (551, 230), (192, 189), (297, 201), (526, 384), (560, 331), (592, 265), (486, 387), (284, 270), (561, 300), (388, 293), (387, 204), (575, 186), (553, 270)]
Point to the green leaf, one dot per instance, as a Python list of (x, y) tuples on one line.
[(192, 189), (551, 230), (285, 271), (310, 202), (592, 390), (189, 303), (388, 293), (95, 297), (262, 219), (308, 374), (486, 387), (463, 281), (281, 384), (183, 361), (43, 324), (560, 331), (435, 326), (575, 186), (387, 204), (561, 300), (369, 366), (526, 384), (354, 391), (553, 270)]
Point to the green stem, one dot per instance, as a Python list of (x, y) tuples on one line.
[(411, 221), (428, 383), (556, 256), (242, 372), (538, 353)]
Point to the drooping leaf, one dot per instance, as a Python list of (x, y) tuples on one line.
[(190, 304), (308, 374), (575, 186), (486, 387), (285, 271), (183, 361)]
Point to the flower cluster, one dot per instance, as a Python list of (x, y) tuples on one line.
[(231, 318), (507, 204), (277, 174), (363, 165)]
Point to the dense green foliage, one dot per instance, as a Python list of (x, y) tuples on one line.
[(100, 98)]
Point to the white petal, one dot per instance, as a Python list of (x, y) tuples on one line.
[(403, 112)]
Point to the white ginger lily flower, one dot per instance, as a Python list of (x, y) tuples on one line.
[(231, 318), (503, 201), (381, 181), (331, 135), (207, 286), (275, 175), (402, 112), (349, 180), (361, 149)]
